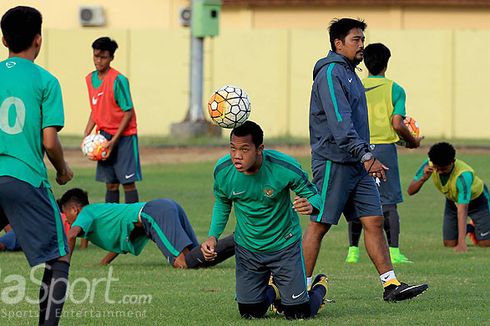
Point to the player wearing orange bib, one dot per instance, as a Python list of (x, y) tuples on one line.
[(112, 114)]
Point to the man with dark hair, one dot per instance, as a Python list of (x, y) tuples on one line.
[(466, 195), (126, 228), (343, 164), (386, 111), (113, 115), (257, 182), (31, 99)]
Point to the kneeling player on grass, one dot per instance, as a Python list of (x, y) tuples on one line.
[(268, 235), (465, 192), (126, 228)]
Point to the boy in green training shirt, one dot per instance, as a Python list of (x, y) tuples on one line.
[(257, 182), (127, 228), (31, 114)]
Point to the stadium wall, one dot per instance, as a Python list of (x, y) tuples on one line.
[(443, 73), (442, 67)]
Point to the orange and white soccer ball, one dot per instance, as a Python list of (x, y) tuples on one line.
[(229, 107), (413, 127), (92, 147)]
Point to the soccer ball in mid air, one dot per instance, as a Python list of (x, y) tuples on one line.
[(413, 127), (229, 107), (93, 148)]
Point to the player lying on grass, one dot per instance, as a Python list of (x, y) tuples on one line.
[(257, 182), (465, 192), (126, 228)]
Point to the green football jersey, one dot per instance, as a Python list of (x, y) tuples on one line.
[(109, 226), (30, 100), (266, 220)]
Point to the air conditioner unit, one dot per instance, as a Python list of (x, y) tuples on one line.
[(91, 16)]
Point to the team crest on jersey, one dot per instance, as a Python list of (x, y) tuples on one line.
[(268, 192)]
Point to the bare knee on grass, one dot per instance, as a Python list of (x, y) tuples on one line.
[(484, 243), (450, 243)]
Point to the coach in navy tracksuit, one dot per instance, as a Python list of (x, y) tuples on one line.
[(344, 169)]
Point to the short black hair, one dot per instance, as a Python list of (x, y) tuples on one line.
[(376, 57), (340, 28), (105, 44), (76, 195), (20, 25), (442, 154), (249, 128)]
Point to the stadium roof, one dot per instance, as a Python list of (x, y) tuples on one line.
[(425, 3)]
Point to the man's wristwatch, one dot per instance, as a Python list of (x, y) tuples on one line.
[(366, 157)]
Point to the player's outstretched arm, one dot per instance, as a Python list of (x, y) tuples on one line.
[(462, 218), (208, 248), (108, 258), (72, 237), (54, 151), (417, 183)]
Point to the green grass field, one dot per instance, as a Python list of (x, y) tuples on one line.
[(458, 294)]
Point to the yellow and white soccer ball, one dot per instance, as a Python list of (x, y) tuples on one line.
[(229, 106)]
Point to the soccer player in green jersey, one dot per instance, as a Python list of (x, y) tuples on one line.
[(31, 114), (127, 228), (466, 195), (257, 182)]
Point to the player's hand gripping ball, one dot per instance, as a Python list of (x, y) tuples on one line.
[(229, 107), (93, 148), (413, 127)]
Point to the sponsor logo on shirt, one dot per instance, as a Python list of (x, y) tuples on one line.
[(371, 88), (10, 64), (95, 99)]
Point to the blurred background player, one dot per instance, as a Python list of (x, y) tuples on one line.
[(386, 111), (113, 115), (32, 105), (257, 182), (343, 165), (8, 241), (126, 228), (465, 192)]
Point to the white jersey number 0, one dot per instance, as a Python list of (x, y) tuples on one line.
[(20, 110)]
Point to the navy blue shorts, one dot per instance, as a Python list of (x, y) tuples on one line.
[(478, 210), (35, 217), (345, 188), (123, 165), (166, 224), (390, 191), (253, 270)]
